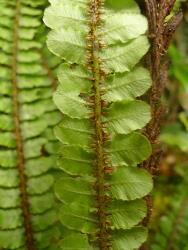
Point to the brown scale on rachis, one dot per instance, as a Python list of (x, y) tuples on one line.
[(101, 165)]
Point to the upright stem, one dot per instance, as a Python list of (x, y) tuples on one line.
[(99, 140), (18, 135), (161, 33)]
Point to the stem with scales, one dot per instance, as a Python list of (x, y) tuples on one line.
[(160, 33), (99, 140)]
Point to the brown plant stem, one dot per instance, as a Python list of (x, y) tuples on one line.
[(160, 33), (94, 65), (18, 134)]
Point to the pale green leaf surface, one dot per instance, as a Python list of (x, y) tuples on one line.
[(9, 198), (71, 104), (33, 147), (76, 190), (123, 27), (6, 122), (75, 132), (128, 85), (74, 78), (43, 221), (7, 139), (28, 56), (68, 44), (27, 45), (123, 57), (8, 158), (125, 215), (45, 238), (75, 241), (30, 11), (64, 14), (35, 110), (129, 149), (42, 203), (17, 238), (28, 82), (31, 69), (5, 88), (10, 219), (5, 105), (27, 21), (129, 239), (75, 160), (9, 178), (77, 217), (33, 128), (39, 185), (125, 117), (130, 183), (38, 166)]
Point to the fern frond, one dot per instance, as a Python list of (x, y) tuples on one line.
[(27, 117), (100, 78), (173, 227)]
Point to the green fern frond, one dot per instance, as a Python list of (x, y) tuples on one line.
[(27, 117), (173, 227), (101, 187)]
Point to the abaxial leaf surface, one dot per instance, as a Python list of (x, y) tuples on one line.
[(101, 187)]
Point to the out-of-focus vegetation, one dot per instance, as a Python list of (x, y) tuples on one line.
[(169, 227)]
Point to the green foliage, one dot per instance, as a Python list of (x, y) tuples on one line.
[(172, 231), (169, 229), (101, 187), (27, 116), (175, 136), (179, 66)]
